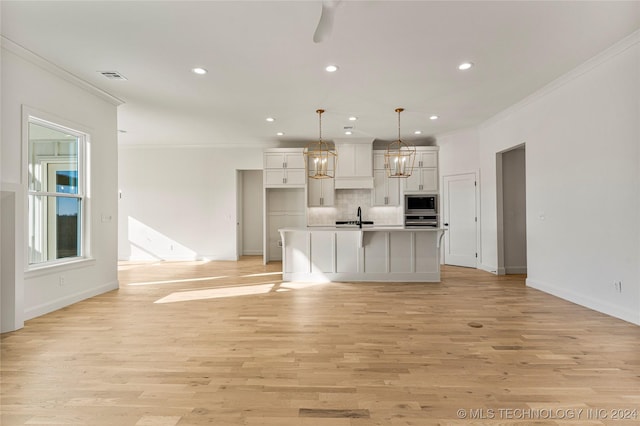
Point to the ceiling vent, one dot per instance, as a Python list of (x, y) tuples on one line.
[(113, 75)]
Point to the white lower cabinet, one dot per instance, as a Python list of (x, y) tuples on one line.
[(361, 255), (347, 251)]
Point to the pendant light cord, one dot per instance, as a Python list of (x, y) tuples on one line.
[(399, 110), (320, 111)]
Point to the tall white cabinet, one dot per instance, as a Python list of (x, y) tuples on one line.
[(284, 178)]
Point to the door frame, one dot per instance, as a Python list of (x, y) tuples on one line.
[(476, 175), (501, 269)]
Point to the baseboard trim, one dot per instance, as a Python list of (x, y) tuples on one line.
[(252, 253), (489, 268), (588, 302), (65, 301), (515, 270)]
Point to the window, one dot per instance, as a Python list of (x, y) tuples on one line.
[(56, 192)]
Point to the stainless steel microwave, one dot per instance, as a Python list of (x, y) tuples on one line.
[(420, 204)]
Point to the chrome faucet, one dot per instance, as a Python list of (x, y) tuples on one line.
[(359, 217)]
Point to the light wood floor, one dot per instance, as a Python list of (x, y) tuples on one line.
[(228, 343)]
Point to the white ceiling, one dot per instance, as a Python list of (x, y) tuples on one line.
[(262, 62)]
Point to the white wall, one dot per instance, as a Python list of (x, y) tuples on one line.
[(30, 82), (582, 136), (179, 203), (458, 152)]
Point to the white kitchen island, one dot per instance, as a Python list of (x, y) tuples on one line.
[(391, 253)]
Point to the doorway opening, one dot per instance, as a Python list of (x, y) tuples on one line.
[(249, 224), (511, 197)]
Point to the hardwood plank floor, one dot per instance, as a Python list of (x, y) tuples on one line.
[(228, 343)]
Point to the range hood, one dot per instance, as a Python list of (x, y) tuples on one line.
[(354, 169)]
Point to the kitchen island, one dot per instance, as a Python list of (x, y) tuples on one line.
[(385, 253)]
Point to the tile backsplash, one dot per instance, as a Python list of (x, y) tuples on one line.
[(346, 205)]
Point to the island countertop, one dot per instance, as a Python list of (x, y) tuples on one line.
[(370, 253), (364, 228)]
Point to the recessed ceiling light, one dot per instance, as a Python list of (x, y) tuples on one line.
[(348, 132), (280, 133), (465, 66), (434, 117), (417, 132), (270, 119), (353, 118), (199, 71), (331, 68)]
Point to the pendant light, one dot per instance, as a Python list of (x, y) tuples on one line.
[(319, 160), (399, 158)]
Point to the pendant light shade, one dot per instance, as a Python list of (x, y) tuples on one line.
[(319, 159), (399, 157)]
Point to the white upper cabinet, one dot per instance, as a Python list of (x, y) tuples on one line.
[(386, 191), (320, 192), (424, 178), (284, 168), (354, 169)]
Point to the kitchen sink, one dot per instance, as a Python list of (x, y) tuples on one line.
[(353, 223)]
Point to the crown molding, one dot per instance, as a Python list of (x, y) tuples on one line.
[(49, 66), (124, 146), (602, 57)]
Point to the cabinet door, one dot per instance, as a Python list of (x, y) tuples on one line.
[(274, 161), (379, 191), (273, 177), (413, 182), (393, 191), (314, 192), (386, 191), (328, 192), (429, 179), (378, 160), (294, 160), (320, 192), (427, 159), (295, 177)]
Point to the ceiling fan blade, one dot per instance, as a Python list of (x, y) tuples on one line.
[(325, 24)]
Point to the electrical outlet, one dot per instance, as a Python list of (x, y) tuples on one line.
[(61, 281)]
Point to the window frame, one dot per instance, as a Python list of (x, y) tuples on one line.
[(58, 124)]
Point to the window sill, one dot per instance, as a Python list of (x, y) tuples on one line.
[(40, 270)]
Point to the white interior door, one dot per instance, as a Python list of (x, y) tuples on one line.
[(460, 218)]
